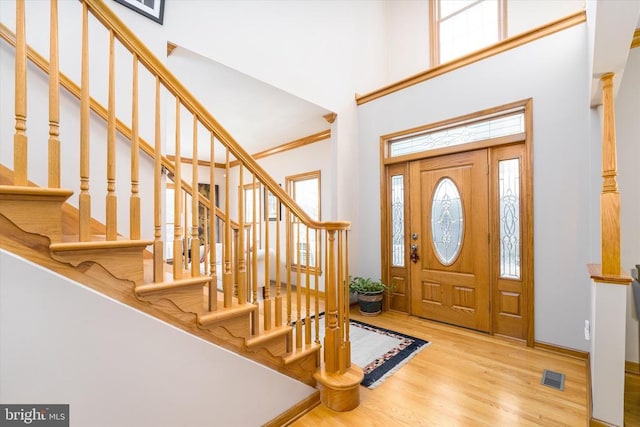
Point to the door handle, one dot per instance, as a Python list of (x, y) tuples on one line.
[(414, 253)]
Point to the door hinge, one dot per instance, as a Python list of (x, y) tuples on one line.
[(488, 238)]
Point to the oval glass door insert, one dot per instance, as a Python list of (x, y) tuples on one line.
[(447, 221)]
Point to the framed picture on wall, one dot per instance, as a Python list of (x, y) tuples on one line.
[(152, 9)]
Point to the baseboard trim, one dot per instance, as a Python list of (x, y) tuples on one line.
[(566, 351), (632, 367), (296, 411), (597, 423)]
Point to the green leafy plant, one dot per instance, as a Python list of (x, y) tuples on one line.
[(364, 285)]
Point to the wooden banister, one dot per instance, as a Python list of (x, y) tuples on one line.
[(241, 277), (111, 21)]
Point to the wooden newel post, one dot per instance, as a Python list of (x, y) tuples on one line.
[(339, 385), (609, 197)]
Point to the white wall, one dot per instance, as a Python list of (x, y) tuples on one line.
[(628, 142), (64, 343), (407, 38), (555, 78)]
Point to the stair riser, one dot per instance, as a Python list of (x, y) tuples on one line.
[(123, 263), (189, 300), (44, 217)]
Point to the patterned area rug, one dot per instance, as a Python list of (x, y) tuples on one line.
[(379, 352)]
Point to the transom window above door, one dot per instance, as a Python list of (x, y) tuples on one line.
[(504, 123)]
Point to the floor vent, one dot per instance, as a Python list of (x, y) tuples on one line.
[(553, 379)]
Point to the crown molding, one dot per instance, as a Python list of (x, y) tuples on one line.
[(635, 42), (330, 118), (500, 47), (316, 137), (170, 48)]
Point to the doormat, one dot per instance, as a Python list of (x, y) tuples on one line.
[(378, 351)]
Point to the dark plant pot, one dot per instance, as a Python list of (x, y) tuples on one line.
[(370, 303)]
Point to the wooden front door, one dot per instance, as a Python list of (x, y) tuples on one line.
[(449, 239)]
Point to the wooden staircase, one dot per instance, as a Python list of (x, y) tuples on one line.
[(217, 301), (31, 221)]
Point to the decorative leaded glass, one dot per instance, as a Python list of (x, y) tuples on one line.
[(509, 180), (397, 220), (458, 135), (447, 221)]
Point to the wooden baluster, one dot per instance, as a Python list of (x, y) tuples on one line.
[(609, 196), (185, 231), (84, 199), (20, 135), (158, 189), (317, 289), (331, 337), (195, 205), (278, 275), (178, 251), (307, 288), (289, 252), (298, 287), (227, 276), (341, 304), (267, 260), (213, 285), (242, 268), (205, 234), (345, 284), (54, 100), (254, 243), (111, 201), (134, 200)]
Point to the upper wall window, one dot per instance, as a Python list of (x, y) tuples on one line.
[(459, 27)]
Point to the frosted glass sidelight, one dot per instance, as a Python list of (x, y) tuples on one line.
[(509, 181), (397, 221), (447, 221)]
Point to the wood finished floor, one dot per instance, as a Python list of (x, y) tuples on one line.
[(465, 378), (632, 400)]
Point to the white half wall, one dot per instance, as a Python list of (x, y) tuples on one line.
[(555, 78), (115, 366), (628, 143)]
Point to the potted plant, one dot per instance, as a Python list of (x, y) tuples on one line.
[(370, 293)]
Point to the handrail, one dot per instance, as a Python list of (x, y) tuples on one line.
[(111, 21), (42, 63)]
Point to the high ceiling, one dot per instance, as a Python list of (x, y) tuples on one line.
[(259, 116)]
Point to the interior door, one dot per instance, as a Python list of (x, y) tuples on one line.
[(449, 240)]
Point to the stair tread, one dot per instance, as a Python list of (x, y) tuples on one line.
[(172, 284), (300, 353), (226, 313), (16, 190), (271, 334), (99, 244)]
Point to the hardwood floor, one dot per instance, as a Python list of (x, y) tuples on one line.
[(632, 400), (465, 378)]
